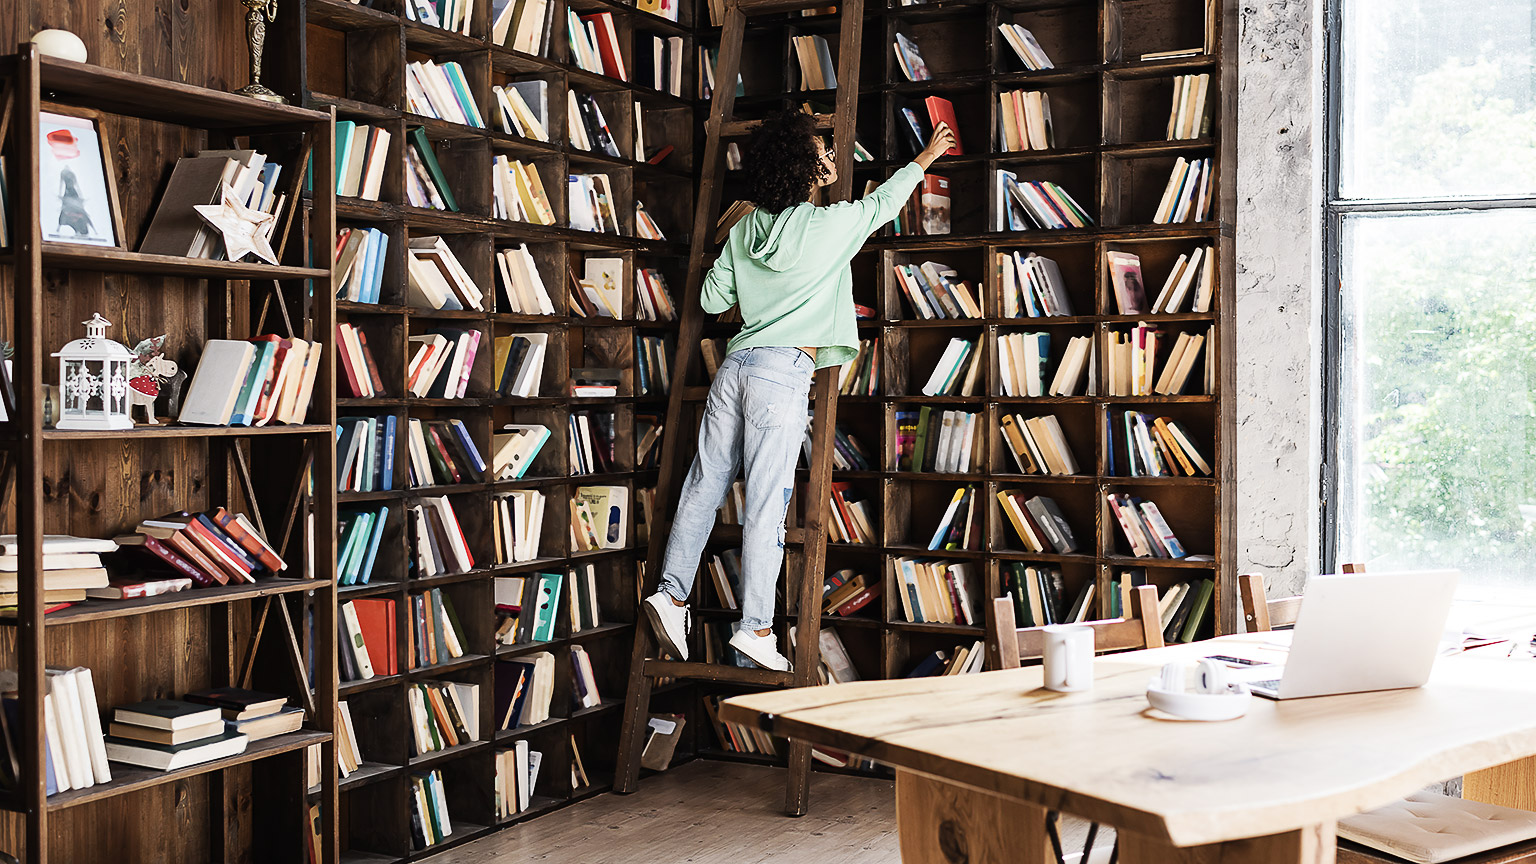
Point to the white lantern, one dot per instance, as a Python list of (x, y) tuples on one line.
[(93, 379)]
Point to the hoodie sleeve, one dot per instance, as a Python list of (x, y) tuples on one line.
[(881, 205), (719, 291)]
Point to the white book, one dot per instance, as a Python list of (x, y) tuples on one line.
[(221, 371), (944, 369), (91, 711), (55, 743), (66, 705), (1207, 286), (522, 774), (355, 640)]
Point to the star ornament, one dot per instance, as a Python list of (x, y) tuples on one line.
[(245, 229)]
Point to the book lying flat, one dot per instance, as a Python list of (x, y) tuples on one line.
[(170, 714), (170, 757)]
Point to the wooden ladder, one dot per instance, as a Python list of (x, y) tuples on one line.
[(644, 667)]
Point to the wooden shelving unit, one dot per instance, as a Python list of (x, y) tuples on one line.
[(1109, 110), (97, 484), (353, 58)]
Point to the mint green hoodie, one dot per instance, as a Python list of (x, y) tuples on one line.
[(789, 271)]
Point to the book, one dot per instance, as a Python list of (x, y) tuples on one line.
[(216, 383), (171, 714), (910, 60), (170, 757)]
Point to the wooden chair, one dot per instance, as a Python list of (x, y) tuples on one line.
[(1262, 614), (1008, 644)]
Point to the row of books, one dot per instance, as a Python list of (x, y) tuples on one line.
[(653, 365), (528, 607), (1040, 596), (586, 127), (860, 376), (442, 452), (358, 537), (852, 519), (170, 734), (1031, 286), (522, 25), (958, 370), (212, 548), (1023, 359), (939, 440), (1023, 204), (1132, 368), (436, 540), (522, 107), (1189, 117), (430, 824), (359, 370), (595, 43), (1038, 444), (269, 379), (1193, 270), (524, 689), (662, 58), (847, 453), (961, 525), (814, 61), (425, 183), (517, 773), (75, 754), (961, 660), (1187, 197), (523, 289), (936, 591), (847, 591), (737, 738), (1154, 447), (646, 228), (1025, 46), (927, 209), (599, 518), (443, 714), (515, 447), (361, 152), (585, 693), (591, 442), (1184, 609), (519, 363), (349, 753), (176, 228), (1024, 120), (365, 453), (1143, 527), (725, 575), (518, 194), (1038, 522), (591, 204), (516, 524), (452, 15), (935, 290), (435, 279), (442, 92), (360, 263)]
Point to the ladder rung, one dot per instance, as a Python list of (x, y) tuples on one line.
[(717, 672), (743, 128), (768, 7)]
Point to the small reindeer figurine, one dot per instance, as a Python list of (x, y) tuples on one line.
[(148, 372)]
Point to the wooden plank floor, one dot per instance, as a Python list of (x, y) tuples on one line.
[(706, 812)]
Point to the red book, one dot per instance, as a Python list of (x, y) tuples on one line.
[(442, 449), (213, 545), (376, 618), (354, 383), (664, 152), (248, 540), (607, 44), (269, 386), (165, 553), (941, 110), (858, 601), (373, 368), (182, 543)]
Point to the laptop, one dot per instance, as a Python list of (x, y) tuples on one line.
[(1358, 632)]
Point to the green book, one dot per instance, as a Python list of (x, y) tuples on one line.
[(1114, 599), (455, 75), (357, 539), (920, 443), (1197, 610), (423, 147), (344, 130), (1020, 596), (172, 714)]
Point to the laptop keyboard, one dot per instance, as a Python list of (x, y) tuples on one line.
[(1272, 684)]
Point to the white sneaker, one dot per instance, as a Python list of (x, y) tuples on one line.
[(762, 650), (670, 622)]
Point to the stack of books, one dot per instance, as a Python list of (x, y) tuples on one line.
[(519, 192), (514, 448), (366, 647), (846, 592), (523, 108), (852, 518), (1038, 444), (935, 591), (360, 257), (361, 152), (441, 92), (960, 526), (365, 453), (443, 714), (935, 290), (71, 567), (269, 379), (359, 370), (177, 229), (524, 688), (250, 713), (517, 773), (516, 526), (1187, 197), (169, 734), (436, 540), (212, 548), (958, 371), (358, 538), (858, 377), (523, 291), (441, 452), (425, 183), (942, 441), (1039, 595), (1038, 522), (1032, 286), (435, 630), (75, 754)]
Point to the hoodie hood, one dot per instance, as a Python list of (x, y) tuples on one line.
[(777, 240)]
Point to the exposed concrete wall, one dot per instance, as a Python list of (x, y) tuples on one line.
[(1279, 320)]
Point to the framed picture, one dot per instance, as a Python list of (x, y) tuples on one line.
[(76, 187)]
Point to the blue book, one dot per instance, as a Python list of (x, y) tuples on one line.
[(378, 247), (366, 571), (1044, 341), (255, 377), (387, 475), (455, 75), (357, 545), (344, 130), (375, 442), (12, 709), (346, 537), (469, 445)]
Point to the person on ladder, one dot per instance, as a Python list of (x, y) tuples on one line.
[(787, 265)]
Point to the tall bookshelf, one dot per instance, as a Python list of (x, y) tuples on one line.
[(352, 57), (1109, 109), (101, 484)]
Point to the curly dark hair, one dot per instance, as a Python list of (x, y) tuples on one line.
[(781, 161)]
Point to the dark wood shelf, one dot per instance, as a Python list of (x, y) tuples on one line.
[(101, 610), (70, 256), (169, 430), (165, 101)]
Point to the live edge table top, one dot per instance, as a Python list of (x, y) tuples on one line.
[(1106, 756)]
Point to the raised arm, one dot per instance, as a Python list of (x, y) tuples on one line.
[(883, 203)]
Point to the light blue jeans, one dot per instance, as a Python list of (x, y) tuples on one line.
[(755, 417)]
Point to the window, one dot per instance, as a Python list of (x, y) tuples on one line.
[(1431, 304)]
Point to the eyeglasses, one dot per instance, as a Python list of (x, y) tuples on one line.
[(829, 155)]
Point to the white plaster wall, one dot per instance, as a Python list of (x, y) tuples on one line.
[(1279, 320)]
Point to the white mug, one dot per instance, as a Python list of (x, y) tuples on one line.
[(1068, 657)]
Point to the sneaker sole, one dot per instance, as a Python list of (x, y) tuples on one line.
[(660, 633)]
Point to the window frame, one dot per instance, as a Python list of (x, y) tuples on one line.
[(1335, 210)]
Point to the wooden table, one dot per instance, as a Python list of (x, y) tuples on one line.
[(980, 759)]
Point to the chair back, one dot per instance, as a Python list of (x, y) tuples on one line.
[(1261, 614), (1008, 644)]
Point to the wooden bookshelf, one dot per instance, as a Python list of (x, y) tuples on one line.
[(99, 484), (1109, 110), (335, 54)]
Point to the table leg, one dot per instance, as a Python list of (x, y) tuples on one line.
[(941, 823), (1315, 844), (1512, 784)]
